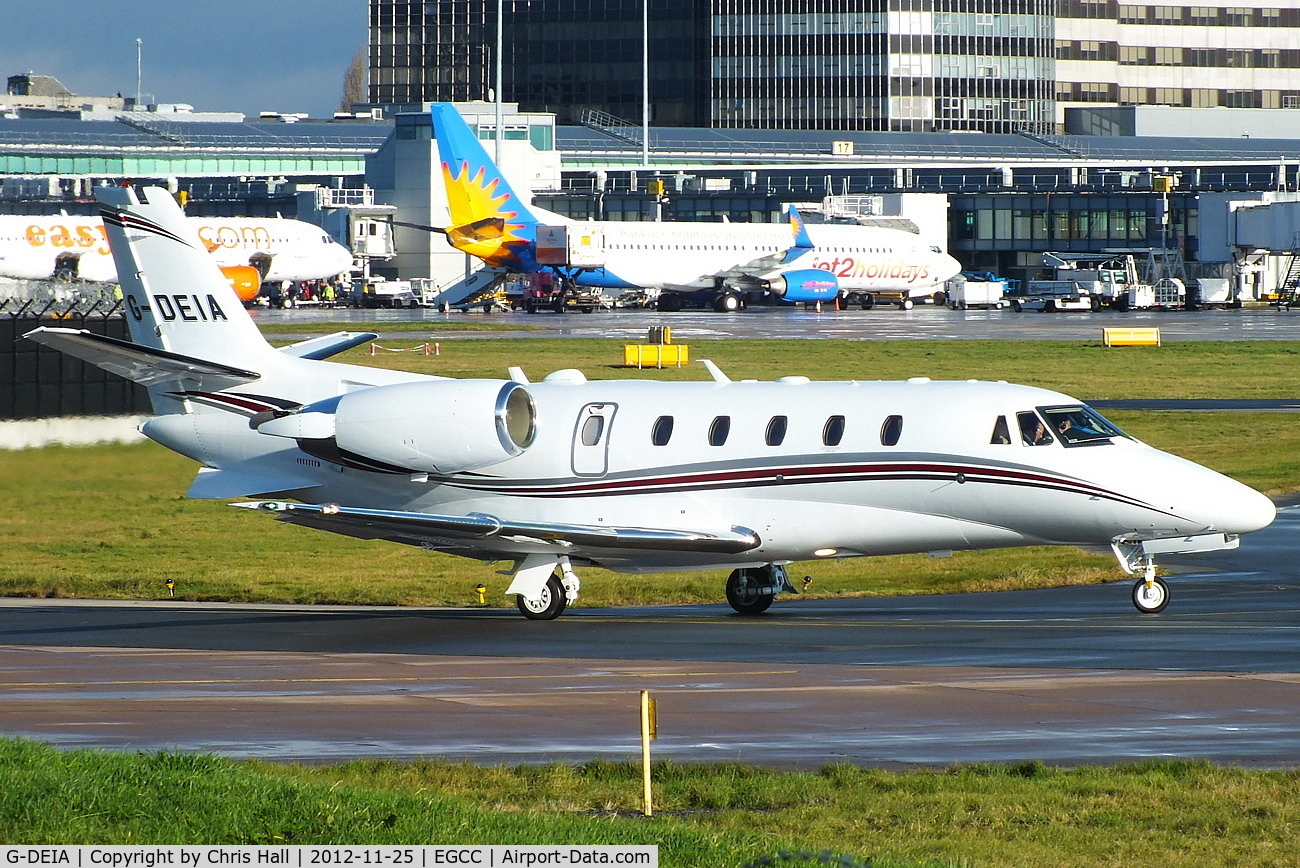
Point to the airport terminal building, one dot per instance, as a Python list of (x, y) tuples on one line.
[(1007, 197)]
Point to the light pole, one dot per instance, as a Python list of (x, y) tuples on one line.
[(500, 15), (645, 84), (138, 43)]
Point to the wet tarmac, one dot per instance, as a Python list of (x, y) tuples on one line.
[(922, 322), (1069, 676)]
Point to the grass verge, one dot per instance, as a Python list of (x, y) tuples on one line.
[(1161, 813)]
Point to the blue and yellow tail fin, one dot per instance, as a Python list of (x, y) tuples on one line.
[(489, 220)]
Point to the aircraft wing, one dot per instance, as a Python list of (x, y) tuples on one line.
[(488, 537), (772, 264), (327, 345), (139, 364)]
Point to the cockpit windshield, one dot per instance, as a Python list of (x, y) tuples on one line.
[(1080, 425)]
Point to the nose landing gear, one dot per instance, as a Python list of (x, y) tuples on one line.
[(1150, 593)]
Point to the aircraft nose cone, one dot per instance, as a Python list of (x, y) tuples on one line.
[(1230, 507), (1247, 510)]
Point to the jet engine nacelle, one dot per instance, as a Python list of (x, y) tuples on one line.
[(245, 280), (445, 426), (808, 284)]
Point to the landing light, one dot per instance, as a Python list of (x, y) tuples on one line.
[(825, 553)]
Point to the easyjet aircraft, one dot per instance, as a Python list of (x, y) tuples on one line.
[(249, 250), (793, 260), (632, 476)]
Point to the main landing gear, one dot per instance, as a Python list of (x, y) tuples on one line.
[(544, 586), (549, 603), (542, 592), (751, 590)]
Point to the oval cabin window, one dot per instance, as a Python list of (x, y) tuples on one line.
[(891, 430), (662, 431), (719, 430), (775, 435), (833, 431)]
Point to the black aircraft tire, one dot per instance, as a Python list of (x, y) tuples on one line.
[(745, 596), (726, 303), (1153, 601), (548, 606)]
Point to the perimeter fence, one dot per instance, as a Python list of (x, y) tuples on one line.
[(39, 383)]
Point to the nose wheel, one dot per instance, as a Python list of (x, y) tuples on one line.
[(1150, 595)]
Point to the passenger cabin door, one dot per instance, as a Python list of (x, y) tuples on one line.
[(591, 439)]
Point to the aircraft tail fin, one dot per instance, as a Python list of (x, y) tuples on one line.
[(800, 229), (176, 298), (489, 219)]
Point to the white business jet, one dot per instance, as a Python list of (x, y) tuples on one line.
[(250, 250), (633, 476), (794, 261)]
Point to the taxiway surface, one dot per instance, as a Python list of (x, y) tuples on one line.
[(924, 322), (1069, 676)]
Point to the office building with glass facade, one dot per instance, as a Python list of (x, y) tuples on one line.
[(911, 65), (914, 65)]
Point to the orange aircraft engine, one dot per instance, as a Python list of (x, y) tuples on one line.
[(245, 280)]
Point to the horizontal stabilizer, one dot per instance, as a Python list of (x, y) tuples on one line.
[(488, 536), (327, 345), (215, 484), (139, 364)]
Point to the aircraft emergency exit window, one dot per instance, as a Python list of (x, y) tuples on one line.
[(1033, 431), (592, 428), (662, 431), (776, 426), (891, 430), (833, 431), (1000, 432), (719, 430)]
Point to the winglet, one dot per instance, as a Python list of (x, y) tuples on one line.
[(715, 372)]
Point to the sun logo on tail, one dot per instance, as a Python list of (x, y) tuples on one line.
[(483, 222)]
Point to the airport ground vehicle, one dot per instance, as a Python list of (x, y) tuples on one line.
[(541, 292), (379, 292), (1048, 299), (1112, 278), (977, 289)]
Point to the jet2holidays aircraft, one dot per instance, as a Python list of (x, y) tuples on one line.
[(795, 261), (249, 250), (632, 476)]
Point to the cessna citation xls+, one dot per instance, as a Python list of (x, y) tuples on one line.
[(631, 476)]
